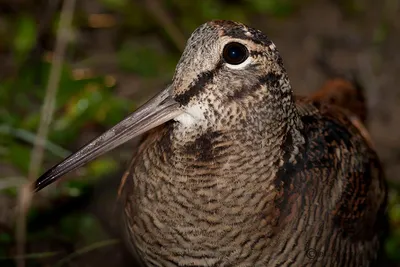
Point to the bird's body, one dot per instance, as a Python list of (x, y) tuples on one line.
[(241, 198), (244, 173)]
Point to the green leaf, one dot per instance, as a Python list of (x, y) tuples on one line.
[(25, 36), (102, 166)]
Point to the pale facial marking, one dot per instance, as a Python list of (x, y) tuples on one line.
[(193, 114)]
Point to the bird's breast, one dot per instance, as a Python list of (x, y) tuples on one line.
[(203, 197)]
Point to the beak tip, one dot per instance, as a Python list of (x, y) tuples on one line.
[(44, 180), (37, 186)]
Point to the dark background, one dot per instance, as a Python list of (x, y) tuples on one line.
[(120, 52)]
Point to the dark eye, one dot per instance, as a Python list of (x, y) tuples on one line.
[(235, 53)]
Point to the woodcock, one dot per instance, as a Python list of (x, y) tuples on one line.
[(234, 170)]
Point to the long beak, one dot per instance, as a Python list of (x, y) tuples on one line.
[(155, 112)]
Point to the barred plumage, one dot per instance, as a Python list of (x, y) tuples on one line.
[(239, 172)]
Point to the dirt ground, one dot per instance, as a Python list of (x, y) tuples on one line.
[(365, 42)]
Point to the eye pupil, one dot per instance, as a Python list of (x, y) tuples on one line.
[(235, 53)]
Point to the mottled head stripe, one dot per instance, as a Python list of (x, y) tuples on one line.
[(255, 36), (195, 88)]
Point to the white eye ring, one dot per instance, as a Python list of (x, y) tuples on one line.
[(241, 65)]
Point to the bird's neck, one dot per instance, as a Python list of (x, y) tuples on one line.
[(228, 152), (261, 126)]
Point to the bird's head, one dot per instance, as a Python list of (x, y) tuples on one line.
[(229, 74)]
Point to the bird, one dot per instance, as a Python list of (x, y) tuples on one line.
[(235, 169)]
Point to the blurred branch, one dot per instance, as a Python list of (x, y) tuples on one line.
[(25, 193), (30, 138), (52, 86), (41, 255), (11, 182), (166, 22), (87, 249)]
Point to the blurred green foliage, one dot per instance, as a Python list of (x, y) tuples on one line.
[(90, 100), (25, 37)]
